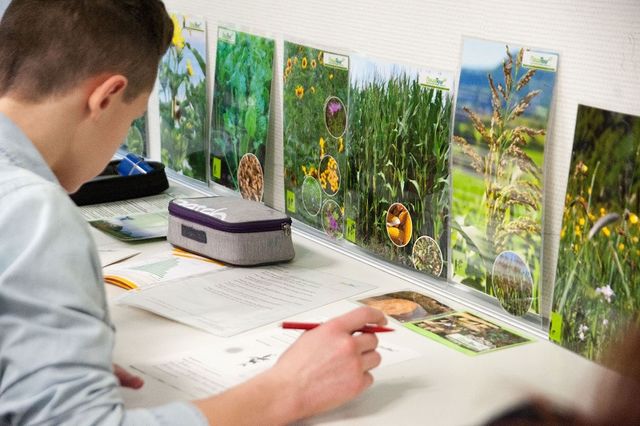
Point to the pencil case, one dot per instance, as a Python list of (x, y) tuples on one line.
[(111, 186), (232, 230)]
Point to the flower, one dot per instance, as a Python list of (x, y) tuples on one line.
[(304, 169), (605, 322), (177, 40), (313, 63), (312, 89), (304, 63), (620, 246), (299, 92), (635, 240), (584, 169), (287, 71), (289, 63), (331, 76), (581, 331), (581, 221), (606, 231), (320, 56), (340, 144), (633, 218), (322, 143), (578, 231), (602, 211), (334, 107), (189, 68), (606, 292)]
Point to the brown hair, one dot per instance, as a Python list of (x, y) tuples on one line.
[(49, 46)]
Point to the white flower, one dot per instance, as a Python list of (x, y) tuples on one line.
[(581, 330), (606, 291), (605, 322)]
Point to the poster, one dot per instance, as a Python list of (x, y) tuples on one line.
[(183, 98), (240, 116), (501, 119), (467, 333), (597, 286), (397, 179), (136, 141), (407, 305), (316, 89)]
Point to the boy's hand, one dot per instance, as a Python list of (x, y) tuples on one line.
[(328, 366), (127, 379)]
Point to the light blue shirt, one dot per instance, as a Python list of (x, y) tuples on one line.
[(56, 338)]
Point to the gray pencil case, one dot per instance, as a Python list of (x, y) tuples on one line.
[(232, 230)]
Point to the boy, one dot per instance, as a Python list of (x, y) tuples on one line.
[(73, 75)]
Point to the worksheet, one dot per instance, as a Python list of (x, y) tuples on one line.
[(197, 374), (234, 300)]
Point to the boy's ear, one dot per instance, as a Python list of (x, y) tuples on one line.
[(104, 94)]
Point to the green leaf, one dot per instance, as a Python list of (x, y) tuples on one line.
[(250, 121)]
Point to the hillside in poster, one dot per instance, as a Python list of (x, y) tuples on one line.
[(183, 98), (597, 286), (397, 190), (315, 98), (240, 116), (502, 111)]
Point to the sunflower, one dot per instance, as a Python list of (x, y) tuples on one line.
[(299, 92), (303, 64), (313, 63), (177, 40), (312, 89), (289, 63), (189, 68)]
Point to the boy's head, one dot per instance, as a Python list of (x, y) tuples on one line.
[(48, 46), (75, 73)]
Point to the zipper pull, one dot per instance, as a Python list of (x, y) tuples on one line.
[(287, 229)]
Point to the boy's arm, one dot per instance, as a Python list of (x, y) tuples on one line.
[(56, 339)]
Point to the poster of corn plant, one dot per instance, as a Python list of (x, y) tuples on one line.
[(502, 111), (240, 116), (397, 180), (597, 286), (136, 141), (316, 89), (183, 98)]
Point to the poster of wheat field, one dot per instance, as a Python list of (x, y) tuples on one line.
[(597, 286), (136, 141), (315, 99), (240, 116), (397, 179), (502, 110), (183, 98)]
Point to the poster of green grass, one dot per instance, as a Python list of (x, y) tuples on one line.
[(240, 116), (397, 180), (183, 98), (502, 111), (315, 98), (597, 286), (136, 141)]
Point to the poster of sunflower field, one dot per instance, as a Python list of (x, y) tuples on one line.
[(597, 288), (502, 111), (240, 116), (316, 89), (397, 179), (183, 98)]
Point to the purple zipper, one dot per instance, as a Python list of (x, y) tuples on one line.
[(241, 227)]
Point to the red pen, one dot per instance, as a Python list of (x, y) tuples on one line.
[(311, 325)]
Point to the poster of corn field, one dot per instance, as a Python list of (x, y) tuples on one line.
[(316, 89), (502, 111), (240, 116), (136, 141), (397, 180), (183, 98), (597, 286)]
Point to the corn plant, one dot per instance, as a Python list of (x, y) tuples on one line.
[(398, 153), (597, 287), (495, 153), (242, 94), (183, 99)]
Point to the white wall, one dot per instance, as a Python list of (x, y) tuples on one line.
[(598, 42)]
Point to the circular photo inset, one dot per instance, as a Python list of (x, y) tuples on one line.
[(329, 175), (512, 283), (250, 178), (332, 222), (427, 256), (335, 116), (399, 225), (311, 195)]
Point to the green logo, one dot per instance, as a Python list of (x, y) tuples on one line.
[(555, 330), (291, 201), (216, 168), (227, 36), (336, 61), (351, 230), (436, 83)]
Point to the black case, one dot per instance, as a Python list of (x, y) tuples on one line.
[(110, 186)]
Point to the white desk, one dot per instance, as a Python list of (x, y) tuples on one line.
[(443, 387)]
